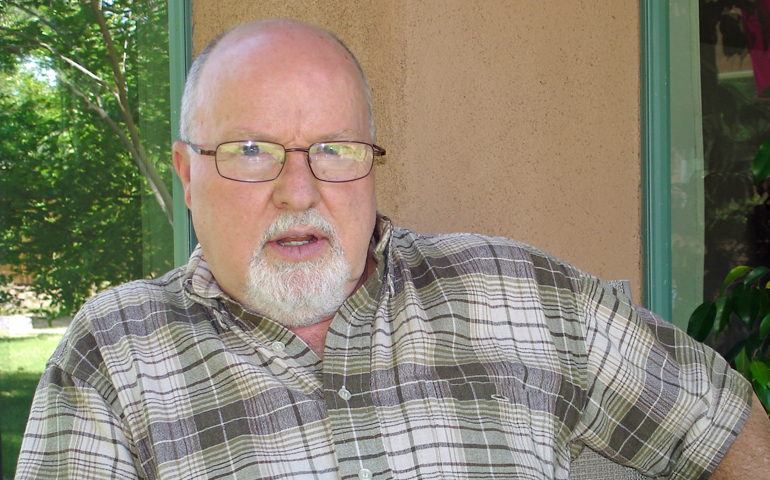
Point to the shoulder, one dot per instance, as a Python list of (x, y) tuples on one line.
[(137, 299), (127, 311), (473, 254)]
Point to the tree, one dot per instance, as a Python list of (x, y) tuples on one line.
[(81, 154)]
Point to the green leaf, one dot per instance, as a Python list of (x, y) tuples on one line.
[(764, 301), (747, 302), (755, 275), (763, 393), (760, 372), (752, 344), (734, 273), (760, 167), (741, 361), (732, 355), (740, 297), (764, 327), (724, 315), (702, 321)]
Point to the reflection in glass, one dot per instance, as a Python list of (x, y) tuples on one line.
[(735, 76)]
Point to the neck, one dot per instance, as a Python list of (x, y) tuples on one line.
[(314, 335)]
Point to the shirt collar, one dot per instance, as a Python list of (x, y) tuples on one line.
[(198, 279), (381, 237)]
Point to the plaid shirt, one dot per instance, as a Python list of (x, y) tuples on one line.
[(464, 356)]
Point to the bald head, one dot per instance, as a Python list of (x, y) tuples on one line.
[(292, 84), (276, 36)]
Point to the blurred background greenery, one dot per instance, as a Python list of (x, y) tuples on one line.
[(85, 171)]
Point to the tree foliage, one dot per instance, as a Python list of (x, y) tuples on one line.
[(83, 150)]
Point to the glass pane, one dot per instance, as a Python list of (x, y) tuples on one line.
[(735, 74), (84, 173), (720, 73), (152, 86), (85, 154)]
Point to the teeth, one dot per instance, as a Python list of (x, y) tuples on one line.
[(296, 241)]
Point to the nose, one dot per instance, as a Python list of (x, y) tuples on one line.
[(296, 188)]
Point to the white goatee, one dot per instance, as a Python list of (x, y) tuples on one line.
[(298, 294)]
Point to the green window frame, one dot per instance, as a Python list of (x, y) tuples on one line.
[(180, 58), (656, 157)]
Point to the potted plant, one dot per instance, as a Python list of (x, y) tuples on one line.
[(743, 305)]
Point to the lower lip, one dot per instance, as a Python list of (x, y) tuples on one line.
[(298, 253)]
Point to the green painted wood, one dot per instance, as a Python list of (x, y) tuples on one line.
[(656, 157), (180, 58), (687, 161)]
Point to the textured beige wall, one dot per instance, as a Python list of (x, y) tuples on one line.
[(507, 118)]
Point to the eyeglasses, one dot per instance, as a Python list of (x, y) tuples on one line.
[(257, 161)]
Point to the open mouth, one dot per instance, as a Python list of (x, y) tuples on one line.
[(296, 241)]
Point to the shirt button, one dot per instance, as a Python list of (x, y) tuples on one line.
[(365, 474), (278, 347), (345, 395)]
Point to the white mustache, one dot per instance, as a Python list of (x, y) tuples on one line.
[(308, 218)]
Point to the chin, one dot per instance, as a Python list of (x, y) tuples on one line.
[(298, 294)]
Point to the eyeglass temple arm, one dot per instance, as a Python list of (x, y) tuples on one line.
[(200, 151)]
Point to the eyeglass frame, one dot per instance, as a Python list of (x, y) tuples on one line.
[(377, 151)]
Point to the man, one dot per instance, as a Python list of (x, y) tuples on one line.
[(309, 338)]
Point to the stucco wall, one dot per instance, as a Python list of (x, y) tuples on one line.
[(517, 119)]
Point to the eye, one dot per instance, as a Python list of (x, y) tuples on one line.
[(251, 149), (331, 149)]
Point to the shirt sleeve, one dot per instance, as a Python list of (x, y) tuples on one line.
[(657, 400), (73, 432)]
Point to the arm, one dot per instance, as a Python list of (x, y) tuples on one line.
[(749, 455), (697, 403), (73, 433)]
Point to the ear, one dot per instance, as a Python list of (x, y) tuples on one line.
[(181, 156)]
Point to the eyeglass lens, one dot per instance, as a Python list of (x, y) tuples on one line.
[(252, 161)]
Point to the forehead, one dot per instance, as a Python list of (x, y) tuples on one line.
[(285, 76)]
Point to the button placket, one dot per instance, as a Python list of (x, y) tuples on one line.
[(347, 379)]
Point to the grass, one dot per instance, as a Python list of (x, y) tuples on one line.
[(22, 360)]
